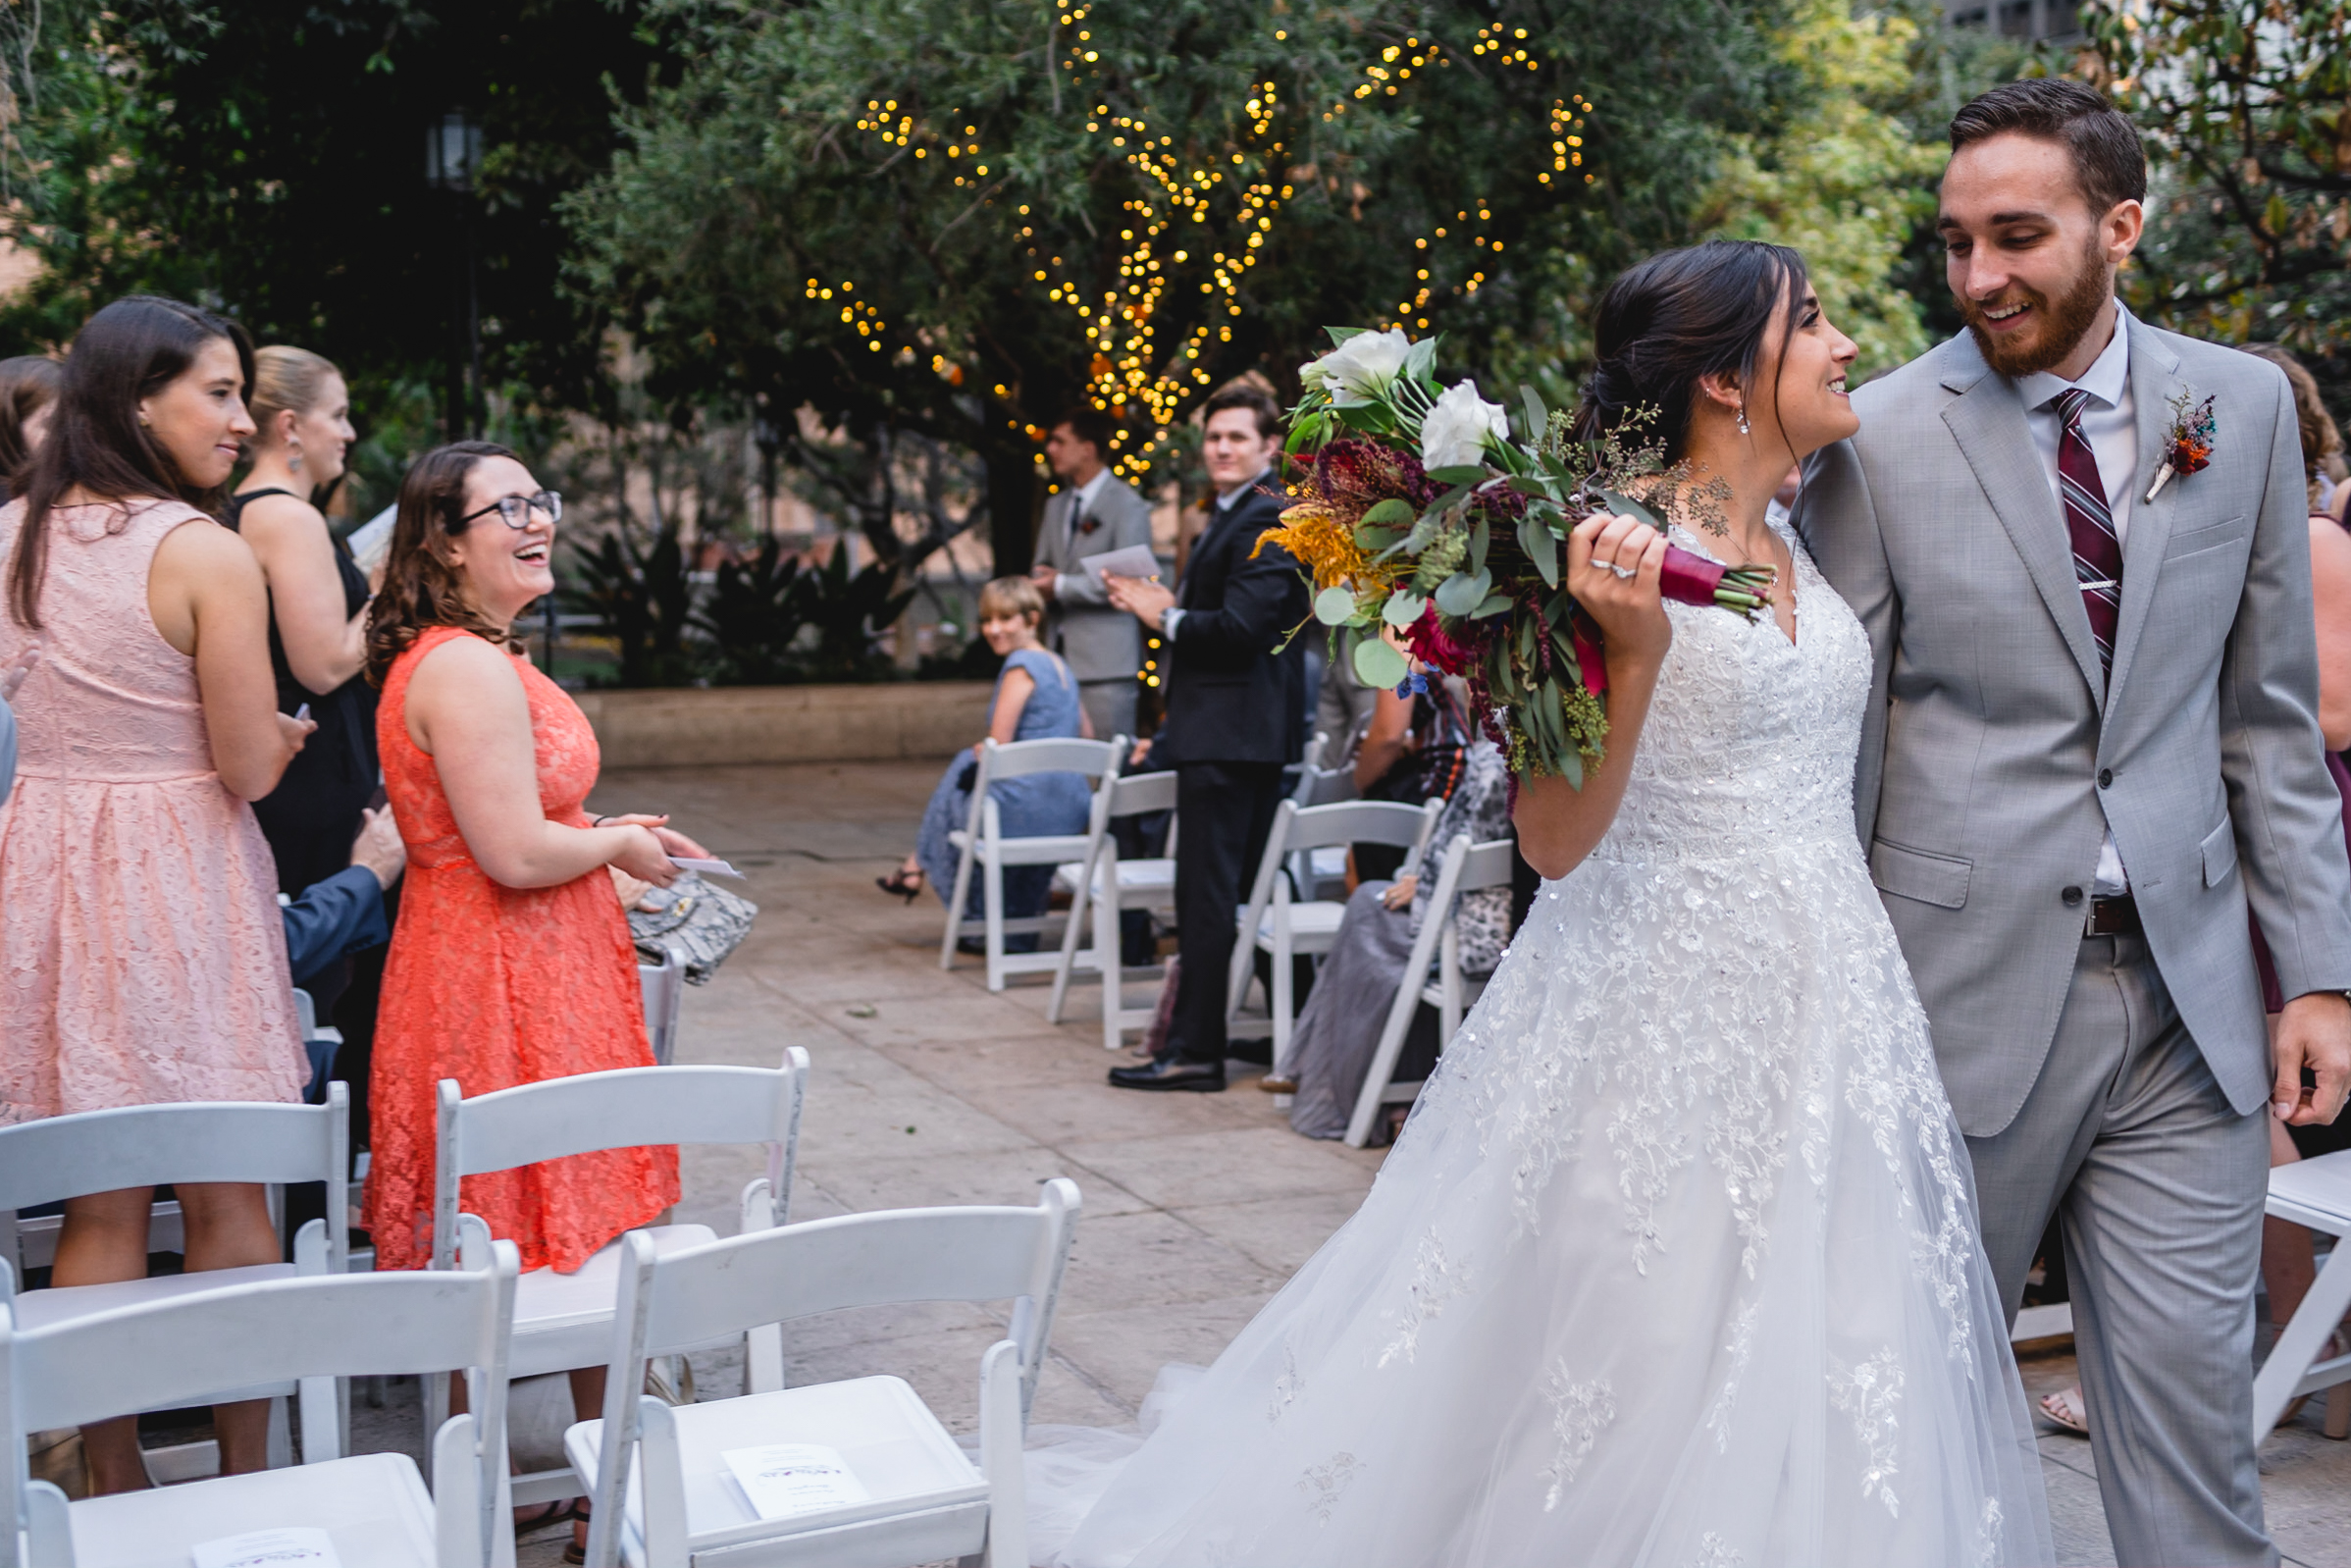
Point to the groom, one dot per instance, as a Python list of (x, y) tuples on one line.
[(2092, 745)]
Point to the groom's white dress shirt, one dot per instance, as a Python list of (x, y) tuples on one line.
[(2109, 423)]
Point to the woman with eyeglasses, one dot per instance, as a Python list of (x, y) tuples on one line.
[(511, 961)]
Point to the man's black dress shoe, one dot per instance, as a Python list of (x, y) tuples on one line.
[(1172, 1073)]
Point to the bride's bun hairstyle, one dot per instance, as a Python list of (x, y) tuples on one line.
[(1705, 310)]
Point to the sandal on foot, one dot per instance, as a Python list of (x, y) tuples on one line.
[(575, 1550), (2066, 1409), (906, 884), (538, 1516)]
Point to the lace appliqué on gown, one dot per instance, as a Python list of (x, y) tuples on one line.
[(1691, 1142)]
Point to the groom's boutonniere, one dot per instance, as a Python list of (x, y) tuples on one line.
[(2188, 445)]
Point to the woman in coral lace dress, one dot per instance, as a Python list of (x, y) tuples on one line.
[(142, 958), (511, 961)]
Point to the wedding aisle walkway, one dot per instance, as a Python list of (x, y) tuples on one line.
[(927, 1089)]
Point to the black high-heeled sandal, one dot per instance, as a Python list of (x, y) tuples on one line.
[(906, 885)]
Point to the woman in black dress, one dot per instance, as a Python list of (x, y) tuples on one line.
[(318, 613)]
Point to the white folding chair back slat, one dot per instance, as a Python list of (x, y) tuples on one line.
[(661, 1498), (1104, 886), (1283, 926), (2317, 1193), (1465, 867), (664, 988), (151, 1145), (563, 1321), (317, 1329), (984, 850)]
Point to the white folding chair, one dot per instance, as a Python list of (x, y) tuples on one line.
[(927, 1502), (1466, 869), (1284, 926), (1320, 874), (1107, 886), (177, 1351), (153, 1145), (563, 1320), (983, 846), (664, 988), (2316, 1193)]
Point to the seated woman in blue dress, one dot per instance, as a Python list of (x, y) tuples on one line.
[(1036, 699)]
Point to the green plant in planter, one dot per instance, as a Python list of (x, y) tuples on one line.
[(755, 613), (848, 612), (643, 599)]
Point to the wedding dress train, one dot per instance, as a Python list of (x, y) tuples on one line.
[(1676, 1262)]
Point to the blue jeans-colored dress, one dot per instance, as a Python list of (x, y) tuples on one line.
[(1032, 806)]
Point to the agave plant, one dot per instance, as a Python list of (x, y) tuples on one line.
[(642, 599), (756, 612)]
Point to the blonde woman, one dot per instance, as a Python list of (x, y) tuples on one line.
[(318, 612), (1036, 699)]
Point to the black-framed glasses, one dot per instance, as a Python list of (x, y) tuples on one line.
[(515, 510)]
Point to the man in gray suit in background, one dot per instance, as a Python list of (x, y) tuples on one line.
[(2092, 743), (1095, 512)]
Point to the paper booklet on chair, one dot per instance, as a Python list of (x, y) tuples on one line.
[(296, 1546), (783, 1479)]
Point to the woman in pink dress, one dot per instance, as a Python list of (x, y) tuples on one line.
[(141, 956)]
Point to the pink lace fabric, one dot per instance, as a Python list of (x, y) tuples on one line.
[(142, 959)]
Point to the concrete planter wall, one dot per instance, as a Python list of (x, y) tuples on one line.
[(707, 728)]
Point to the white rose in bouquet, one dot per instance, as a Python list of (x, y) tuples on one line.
[(1360, 367), (1456, 429)]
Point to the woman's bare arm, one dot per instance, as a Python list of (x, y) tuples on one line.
[(324, 646), (1384, 741), (205, 595), (1004, 720), (1558, 824), (466, 709)]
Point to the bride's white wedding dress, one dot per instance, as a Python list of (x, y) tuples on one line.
[(1676, 1262)]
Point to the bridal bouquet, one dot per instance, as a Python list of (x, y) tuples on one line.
[(1424, 522)]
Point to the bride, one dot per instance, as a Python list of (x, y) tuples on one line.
[(1676, 1262)]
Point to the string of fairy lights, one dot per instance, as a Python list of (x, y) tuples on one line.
[(1174, 224)]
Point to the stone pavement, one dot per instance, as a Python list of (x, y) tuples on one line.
[(929, 1089)]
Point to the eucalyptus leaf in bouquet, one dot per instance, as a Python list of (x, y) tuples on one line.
[(1425, 522)]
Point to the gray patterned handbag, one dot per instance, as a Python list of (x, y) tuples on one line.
[(692, 923)]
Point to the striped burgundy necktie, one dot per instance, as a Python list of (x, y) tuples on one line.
[(2096, 552)]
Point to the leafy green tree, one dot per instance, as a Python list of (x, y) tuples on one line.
[(1842, 181), (956, 219), (2246, 107), (269, 157)]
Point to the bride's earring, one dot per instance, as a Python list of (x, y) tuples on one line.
[(1742, 430)]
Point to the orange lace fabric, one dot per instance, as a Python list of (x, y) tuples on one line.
[(496, 986)]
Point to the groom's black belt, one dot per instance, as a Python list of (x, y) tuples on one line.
[(2112, 917)]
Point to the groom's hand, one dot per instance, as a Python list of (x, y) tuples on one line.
[(2315, 1032)]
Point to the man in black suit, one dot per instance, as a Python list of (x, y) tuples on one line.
[(1236, 710)]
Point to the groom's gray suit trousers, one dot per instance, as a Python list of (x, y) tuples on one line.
[(2158, 1183)]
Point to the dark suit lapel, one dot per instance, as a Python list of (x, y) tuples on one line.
[(2153, 383), (1987, 420)]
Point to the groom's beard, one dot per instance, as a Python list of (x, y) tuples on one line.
[(2061, 322)]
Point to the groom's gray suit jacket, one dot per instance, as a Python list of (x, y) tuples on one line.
[(1993, 757)]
